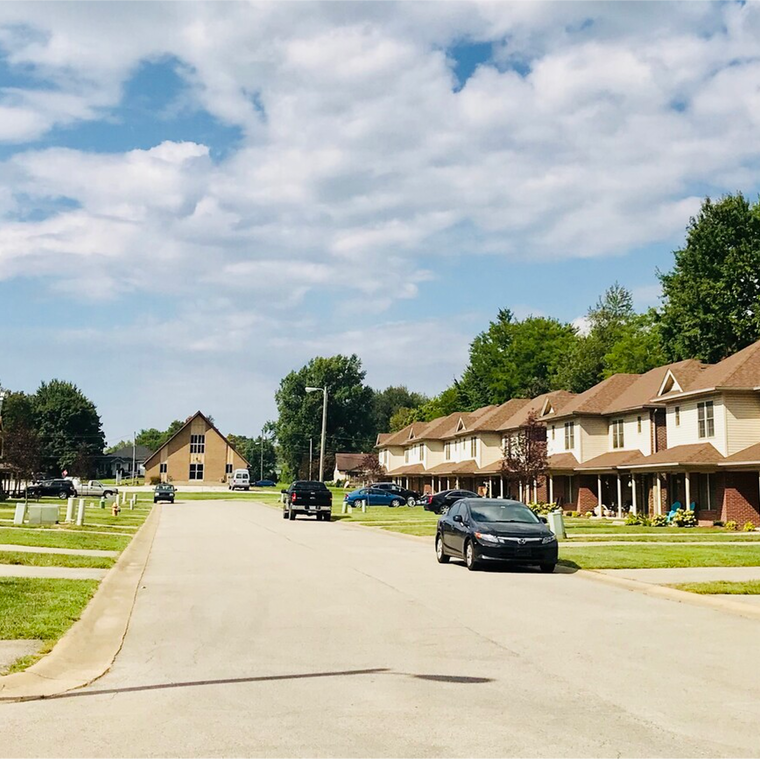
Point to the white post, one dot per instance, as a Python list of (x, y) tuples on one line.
[(535, 492), (520, 492), (456, 485), (687, 481), (709, 494), (70, 510), (551, 488), (658, 505), (80, 513), (501, 487), (20, 515), (123, 497), (132, 502), (599, 494), (619, 496), (634, 506)]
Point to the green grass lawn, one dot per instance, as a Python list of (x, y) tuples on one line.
[(37, 609), (678, 536), (655, 556), (747, 588), (55, 538), (29, 559)]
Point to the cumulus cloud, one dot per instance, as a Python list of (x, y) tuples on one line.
[(593, 131)]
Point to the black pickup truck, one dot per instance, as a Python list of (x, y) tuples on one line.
[(307, 497)]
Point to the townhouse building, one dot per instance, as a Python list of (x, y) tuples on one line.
[(685, 433)]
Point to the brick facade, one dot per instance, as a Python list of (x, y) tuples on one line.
[(741, 501), (587, 499)]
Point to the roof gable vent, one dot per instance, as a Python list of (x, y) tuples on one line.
[(669, 384)]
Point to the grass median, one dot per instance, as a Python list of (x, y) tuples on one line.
[(55, 538), (36, 609), (721, 587), (31, 559), (657, 557)]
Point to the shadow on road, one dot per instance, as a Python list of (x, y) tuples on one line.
[(460, 679)]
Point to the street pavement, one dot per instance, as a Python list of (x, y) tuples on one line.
[(257, 636)]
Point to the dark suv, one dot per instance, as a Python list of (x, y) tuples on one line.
[(410, 497), (164, 492), (59, 488)]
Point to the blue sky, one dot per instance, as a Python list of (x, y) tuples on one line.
[(197, 198)]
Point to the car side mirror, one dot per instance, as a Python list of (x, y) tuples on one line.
[(458, 518), (544, 520)]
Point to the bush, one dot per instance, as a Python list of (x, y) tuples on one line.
[(155, 479), (573, 514), (632, 518), (731, 525), (748, 527), (685, 518), (718, 523), (542, 509), (659, 520)]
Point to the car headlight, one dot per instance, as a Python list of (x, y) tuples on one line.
[(486, 537), (549, 539)]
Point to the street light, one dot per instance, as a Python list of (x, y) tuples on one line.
[(324, 429)]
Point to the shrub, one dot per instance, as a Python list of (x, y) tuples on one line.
[(542, 509), (685, 518), (748, 527), (632, 518), (155, 479), (731, 525), (718, 523), (659, 520), (574, 514)]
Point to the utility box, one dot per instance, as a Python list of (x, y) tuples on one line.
[(42, 514), (20, 514), (557, 524)]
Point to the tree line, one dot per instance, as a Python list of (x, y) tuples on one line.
[(710, 308)]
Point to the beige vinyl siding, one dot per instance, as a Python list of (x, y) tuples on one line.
[(434, 455), (632, 439), (394, 457), (742, 414), (594, 438), (687, 432), (490, 448)]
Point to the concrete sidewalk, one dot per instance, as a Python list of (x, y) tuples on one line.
[(52, 573), (65, 551), (685, 574)]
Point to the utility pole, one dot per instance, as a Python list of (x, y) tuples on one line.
[(134, 455), (311, 455), (324, 429), (261, 475)]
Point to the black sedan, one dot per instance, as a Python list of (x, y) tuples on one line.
[(495, 530), (439, 502), (58, 488)]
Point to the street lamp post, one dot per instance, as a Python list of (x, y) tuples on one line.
[(324, 429)]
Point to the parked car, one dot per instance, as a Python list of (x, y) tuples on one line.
[(240, 479), (373, 497), (439, 502), (164, 492), (93, 488), (307, 497), (265, 483), (487, 530), (59, 488), (410, 497)]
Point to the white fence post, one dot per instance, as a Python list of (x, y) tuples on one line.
[(20, 515), (80, 513), (70, 510)]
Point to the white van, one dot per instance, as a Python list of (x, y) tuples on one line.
[(240, 480)]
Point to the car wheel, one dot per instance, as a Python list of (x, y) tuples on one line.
[(471, 557), (548, 568), (395, 502), (440, 554), (284, 514), (291, 515), (155, 500), (63, 495), (410, 501), (107, 493)]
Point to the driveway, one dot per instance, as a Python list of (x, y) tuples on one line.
[(256, 636)]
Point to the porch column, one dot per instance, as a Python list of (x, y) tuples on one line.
[(659, 495), (501, 485), (551, 488), (535, 492), (599, 494), (521, 492), (619, 496), (457, 483), (687, 481), (634, 506)]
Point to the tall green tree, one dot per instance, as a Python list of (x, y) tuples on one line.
[(711, 298), (21, 444), (637, 349), (257, 450), (153, 439), (387, 402), (69, 428), (350, 421)]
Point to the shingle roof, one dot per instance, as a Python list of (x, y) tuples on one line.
[(562, 461), (742, 370), (560, 400), (142, 452), (695, 453), (597, 398), (382, 438), (612, 459), (750, 455), (409, 469), (349, 462)]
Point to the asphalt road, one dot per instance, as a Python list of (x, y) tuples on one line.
[(255, 636)]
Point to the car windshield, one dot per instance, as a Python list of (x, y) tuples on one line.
[(307, 485), (502, 512)]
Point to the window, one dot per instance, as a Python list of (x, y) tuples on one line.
[(554, 429), (420, 452), (197, 443), (638, 423), (406, 455), (447, 449), (678, 416), (705, 419), (162, 468), (228, 469), (569, 435), (473, 447), (196, 471), (617, 434)]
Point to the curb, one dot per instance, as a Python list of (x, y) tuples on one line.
[(673, 594), (88, 648)]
